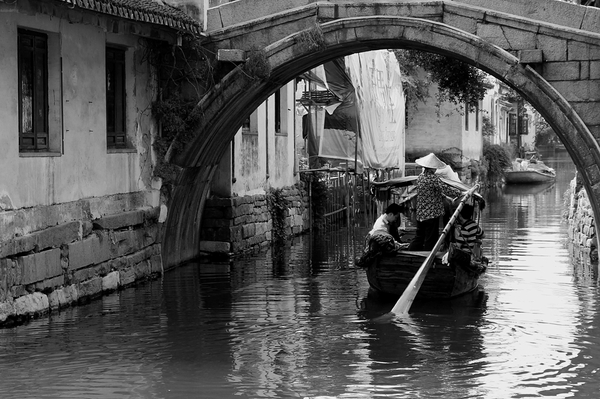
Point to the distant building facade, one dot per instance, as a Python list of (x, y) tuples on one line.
[(502, 114), (433, 128)]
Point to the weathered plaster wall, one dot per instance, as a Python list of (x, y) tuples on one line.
[(80, 219), (82, 167), (426, 132), (282, 162), (262, 158), (249, 167), (471, 140)]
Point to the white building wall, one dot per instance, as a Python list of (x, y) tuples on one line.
[(472, 138), (261, 157), (427, 132), (78, 164), (497, 110)]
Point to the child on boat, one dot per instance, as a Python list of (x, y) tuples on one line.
[(467, 233)]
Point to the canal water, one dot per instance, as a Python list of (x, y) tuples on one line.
[(297, 323)]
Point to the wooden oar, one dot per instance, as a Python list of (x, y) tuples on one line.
[(409, 294)]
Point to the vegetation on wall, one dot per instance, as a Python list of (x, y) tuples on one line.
[(178, 118), (312, 39), (184, 74), (487, 127), (318, 198), (278, 208), (257, 66), (496, 158)]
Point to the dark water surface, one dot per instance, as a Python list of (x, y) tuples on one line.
[(299, 324)]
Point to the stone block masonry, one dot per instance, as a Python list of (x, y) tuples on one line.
[(582, 226), (79, 251), (235, 225)]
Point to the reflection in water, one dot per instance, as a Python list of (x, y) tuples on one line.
[(298, 322), (527, 189)]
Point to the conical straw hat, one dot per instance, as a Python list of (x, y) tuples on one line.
[(430, 161)]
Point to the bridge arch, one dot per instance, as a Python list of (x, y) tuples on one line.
[(226, 106)]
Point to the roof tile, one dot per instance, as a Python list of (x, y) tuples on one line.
[(157, 11)]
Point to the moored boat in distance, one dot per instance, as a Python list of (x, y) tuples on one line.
[(529, 172)]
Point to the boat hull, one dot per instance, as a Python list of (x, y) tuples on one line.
[(528, 177), (390, 275)]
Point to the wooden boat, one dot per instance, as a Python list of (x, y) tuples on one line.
[(529, 172), (528, 176), (389, 275)]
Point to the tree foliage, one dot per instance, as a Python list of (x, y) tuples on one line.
[(497, 158), (184, 73), (544, 134), (457, 82), (487, 129)]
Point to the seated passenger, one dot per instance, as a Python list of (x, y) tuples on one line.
[(389, 221), (383, 237), (467, 233)]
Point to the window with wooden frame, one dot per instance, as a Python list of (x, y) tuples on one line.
[(512, 124), (33, 91), (115, 98), (524, 125)]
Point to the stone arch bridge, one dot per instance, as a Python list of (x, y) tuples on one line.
[(547, 50)]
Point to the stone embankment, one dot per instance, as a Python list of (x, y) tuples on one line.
[(56, 256), (239, 224), (582, 226), (61, 255)]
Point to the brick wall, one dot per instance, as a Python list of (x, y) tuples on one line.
[(238, 224)]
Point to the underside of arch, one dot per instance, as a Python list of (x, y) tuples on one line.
[(238, 95)]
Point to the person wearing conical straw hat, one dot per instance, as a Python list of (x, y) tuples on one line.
[(430, 203)]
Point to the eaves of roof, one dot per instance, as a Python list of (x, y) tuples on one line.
[(150, 11)]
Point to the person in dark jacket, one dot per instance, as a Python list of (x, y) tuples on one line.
[(430, 203)]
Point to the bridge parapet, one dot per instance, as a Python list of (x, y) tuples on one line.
[(556, 12), (546, 39)]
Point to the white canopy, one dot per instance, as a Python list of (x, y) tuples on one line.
[(380, 101)]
